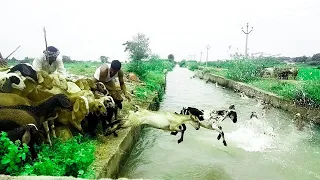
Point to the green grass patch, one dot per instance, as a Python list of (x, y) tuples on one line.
[(70, 158), (85, 68), (282, 88), (309, 73)]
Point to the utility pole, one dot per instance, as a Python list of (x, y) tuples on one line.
[(201, 55), (208, 47), (194, 57), (246, 33)]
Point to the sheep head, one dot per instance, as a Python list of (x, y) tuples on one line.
[(10, 81), (107, 101), (231, 113), (98, 107), (80, 110), (81, 106), (63, 101), (73, 87), (195, 122), (83, 84), (25, 70), (102, 88)]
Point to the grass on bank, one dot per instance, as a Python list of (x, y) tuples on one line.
[(75, 156), (305, 90)]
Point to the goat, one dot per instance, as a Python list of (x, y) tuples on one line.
[(10, 81), (15, 116), (188, 111), (28, 134), (216, 117), (166, 121)]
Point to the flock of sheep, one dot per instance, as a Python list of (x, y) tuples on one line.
[(31, 102)]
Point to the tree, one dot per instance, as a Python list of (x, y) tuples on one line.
[(104, 59), (26, 60), (171, 57), (300, 59), (316, 57), (66, 58), (138, 48)]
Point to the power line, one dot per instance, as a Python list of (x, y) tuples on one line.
[(208, 47), (246, 33)]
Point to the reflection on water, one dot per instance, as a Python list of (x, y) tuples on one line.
[(269, 147)]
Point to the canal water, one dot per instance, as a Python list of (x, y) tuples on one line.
[(269, 147)]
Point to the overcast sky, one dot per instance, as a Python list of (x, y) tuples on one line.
[(85, 30)]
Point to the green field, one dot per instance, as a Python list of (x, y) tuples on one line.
[(306, 87)]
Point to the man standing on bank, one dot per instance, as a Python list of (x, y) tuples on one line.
[(107, 75)]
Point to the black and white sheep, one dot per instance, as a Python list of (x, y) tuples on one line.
[(10, 81), (188, 111), (25, 70), (215, 119), (94, 118)]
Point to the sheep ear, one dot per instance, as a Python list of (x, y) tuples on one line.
[(7, 86), (76, 106), (26, 137), (40, 77)]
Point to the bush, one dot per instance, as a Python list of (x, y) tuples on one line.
[(142, 67), (152, 72), (313, 63), (183, 63), (309, 94), (12, 155)]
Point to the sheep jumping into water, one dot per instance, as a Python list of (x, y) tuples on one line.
[(166, 121), (188, 111), (215, 119)]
